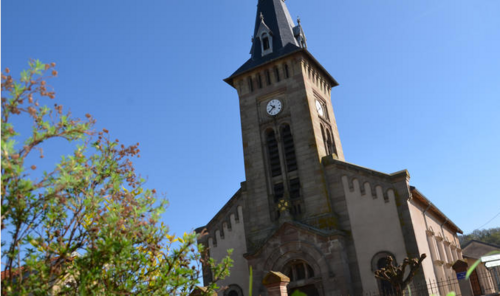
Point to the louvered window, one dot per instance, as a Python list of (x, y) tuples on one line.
[(274, 157), (279, 191), (259, 81), (287, 74), (289, 148), (294, 188), (268, 77)]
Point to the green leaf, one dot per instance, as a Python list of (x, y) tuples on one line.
[(24, 76)]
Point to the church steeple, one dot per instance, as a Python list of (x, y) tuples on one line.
[(274, 29), (275, 35)]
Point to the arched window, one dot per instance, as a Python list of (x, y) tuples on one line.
[(329, 143), (328, 140), (323, 135), (289, 148), (299, 270), (273, 151), (380, 261)]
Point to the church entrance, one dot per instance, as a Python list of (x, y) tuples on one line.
[(309, 290), (302, 278)]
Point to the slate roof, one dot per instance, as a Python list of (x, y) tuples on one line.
[(253, 63), (476, 249), (277, 18)]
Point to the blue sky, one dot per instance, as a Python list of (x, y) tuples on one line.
[(419, 89)]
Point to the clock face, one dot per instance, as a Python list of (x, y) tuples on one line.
[(319, 107), (273, 107)]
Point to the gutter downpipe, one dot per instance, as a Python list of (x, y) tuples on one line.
[(425, 219), (442, 230)]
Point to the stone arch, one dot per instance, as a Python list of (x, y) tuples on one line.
[(297, 250), (300, 251), (380, 255), (233, 290), (378, 260)]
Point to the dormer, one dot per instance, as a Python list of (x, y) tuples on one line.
[(265, 37)]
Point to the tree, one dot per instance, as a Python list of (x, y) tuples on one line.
[(396, 275), (88, 226), (490, 236)]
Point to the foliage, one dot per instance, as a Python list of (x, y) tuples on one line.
[(491, 236), (88, 226), (395, 275), (298, 293)]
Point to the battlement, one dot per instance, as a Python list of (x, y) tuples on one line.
[(369, 188), (231, 225)]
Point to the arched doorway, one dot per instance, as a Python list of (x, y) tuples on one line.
[(233, 290), (302, 278)]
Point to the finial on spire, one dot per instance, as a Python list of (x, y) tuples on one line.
[(261, 16), (298, 20)]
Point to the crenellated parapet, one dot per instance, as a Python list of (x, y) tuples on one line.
[(369, 188), (224, 229), (224, 221)]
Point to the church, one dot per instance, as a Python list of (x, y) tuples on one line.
[(303, 210)]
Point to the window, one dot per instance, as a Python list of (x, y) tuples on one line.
[(287, 74), (384, 286), (298, 270), (329, 143), (294, 188), (279, 191), (328, 140), (250, 84), (288, 147), (265, 42), (380, 260), (259, 81), (268, 77), (277, 74), (324, 138), (274, 157)]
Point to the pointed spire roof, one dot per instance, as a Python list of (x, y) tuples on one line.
[(275, 16), (274, 23), (273, 19)]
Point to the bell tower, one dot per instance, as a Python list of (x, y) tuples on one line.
[(288, 126)]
